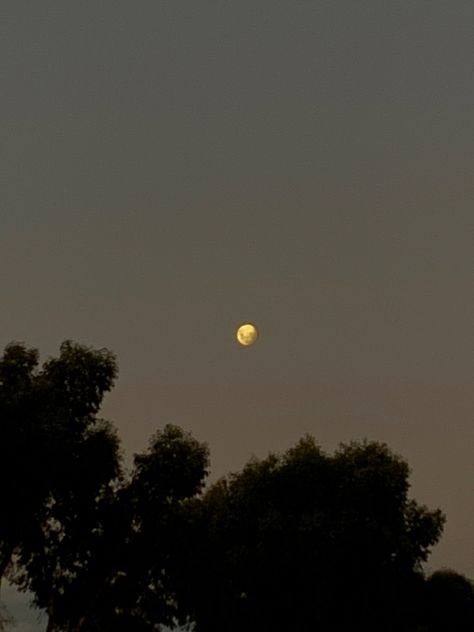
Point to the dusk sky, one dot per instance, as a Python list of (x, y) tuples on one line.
[(170, 169)]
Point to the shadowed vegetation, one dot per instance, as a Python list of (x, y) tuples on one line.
[(300, 541)]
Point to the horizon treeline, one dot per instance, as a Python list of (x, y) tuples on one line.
[(303, 540)]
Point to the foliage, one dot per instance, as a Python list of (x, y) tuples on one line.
[(44, 417), (60, 456), (448, 602), (301, 540), (140, 589), (309, 541)]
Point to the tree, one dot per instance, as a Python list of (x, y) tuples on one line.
[(448, 602), (144, 590), (309, 541), (104, 555), (94, 545), (60, 456), (302, 540), (18, 434), (53, 561)]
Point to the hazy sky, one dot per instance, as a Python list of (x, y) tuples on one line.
[(171, 168)]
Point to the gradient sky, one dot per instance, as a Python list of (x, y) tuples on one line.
[(171, 168)]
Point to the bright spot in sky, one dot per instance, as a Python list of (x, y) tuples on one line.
[(247, 334)]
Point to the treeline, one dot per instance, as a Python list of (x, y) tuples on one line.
[(302, 541)]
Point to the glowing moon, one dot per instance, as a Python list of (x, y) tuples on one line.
[(247, 334)]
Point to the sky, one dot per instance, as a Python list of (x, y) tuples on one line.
[(171, 169)]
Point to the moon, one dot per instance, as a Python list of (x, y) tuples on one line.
[(247, 334)]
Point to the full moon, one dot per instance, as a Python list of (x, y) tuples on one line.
[(247, 334)]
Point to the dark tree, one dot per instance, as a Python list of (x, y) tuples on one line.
[(53, 561), (448, 603), (105, 561), (96, 547), (137, 578), (24, 481), (301, 541), (59, 458), (164, 478), (307, 541)]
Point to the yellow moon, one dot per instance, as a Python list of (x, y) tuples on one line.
[(247, 334)]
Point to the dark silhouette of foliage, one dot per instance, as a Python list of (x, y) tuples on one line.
[(142, 591), (91, 543), (448, 603), (307, 541), (58, 456), (18, 457), (299, 541), (102, 559)]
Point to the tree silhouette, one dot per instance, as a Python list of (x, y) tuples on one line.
[(103, 557), (142, 591), (58, 456), (20, 436), (301, 540), (307, 541), (448, 603)]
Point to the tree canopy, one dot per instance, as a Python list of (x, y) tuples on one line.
[(448, 602), (309, 541), (302, 540), (47, 422)]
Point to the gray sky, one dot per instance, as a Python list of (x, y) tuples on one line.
[(169, 169)]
